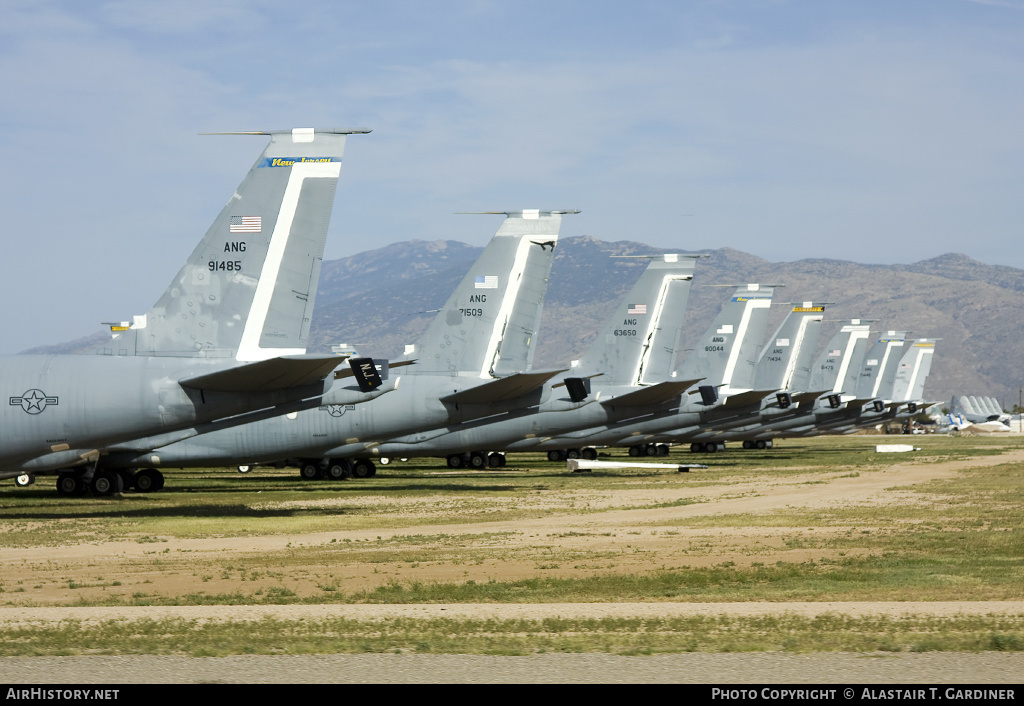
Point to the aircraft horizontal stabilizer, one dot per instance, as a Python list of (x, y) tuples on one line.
[(653, 395), (268, 375), (503, 389), (803, 398), (744, 399), (859, 402), (347, 372)]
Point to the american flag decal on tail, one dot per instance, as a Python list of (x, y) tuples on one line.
[(246, 224)]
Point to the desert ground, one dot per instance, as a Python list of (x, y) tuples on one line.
[(333, 549)]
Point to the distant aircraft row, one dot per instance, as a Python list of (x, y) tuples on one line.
[(217, 373), (983, 415)]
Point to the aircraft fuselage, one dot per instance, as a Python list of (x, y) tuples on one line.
[(55, 408)]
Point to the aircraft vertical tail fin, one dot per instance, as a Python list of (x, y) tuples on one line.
[(779, 358), (837, 366), (804, 360), (638, 342), (247, 290), (916, 392), (977, 404), (956, 405), (913, 369), (726, 353), (880, 365), (488, 325), (985, 405), (657, 362)]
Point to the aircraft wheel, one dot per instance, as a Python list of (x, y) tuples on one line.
[(589, 454), (244, 469), (25, 480), (309, 471), (456, 461), (572, 453), (70, 485), (663, 449), (748, 444), (555, 456), (650, 450), (710, 447), (760, 444), (494, 460), (696, 448), (477, 459), (362, 469), (503, 460), (338, 470), (106, 483), (148, 480), (635, 451)]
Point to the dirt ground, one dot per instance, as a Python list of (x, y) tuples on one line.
[(636, 531)]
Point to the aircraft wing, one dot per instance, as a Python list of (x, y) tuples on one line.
[(652, 395), (502, 389), (268, 375)]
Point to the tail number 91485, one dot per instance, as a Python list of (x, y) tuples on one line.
[(225, 265)]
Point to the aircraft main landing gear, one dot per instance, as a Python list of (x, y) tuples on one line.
[(148, 480), (708, 447), (71, 485)]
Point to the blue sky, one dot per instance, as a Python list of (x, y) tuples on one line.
[(870, 131)]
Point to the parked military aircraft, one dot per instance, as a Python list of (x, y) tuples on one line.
[(469, 363), (778, 388), (623, 376), (723, 358), (962, 425), (834, 369), (971, 409), (226, 341), (889, 382)]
